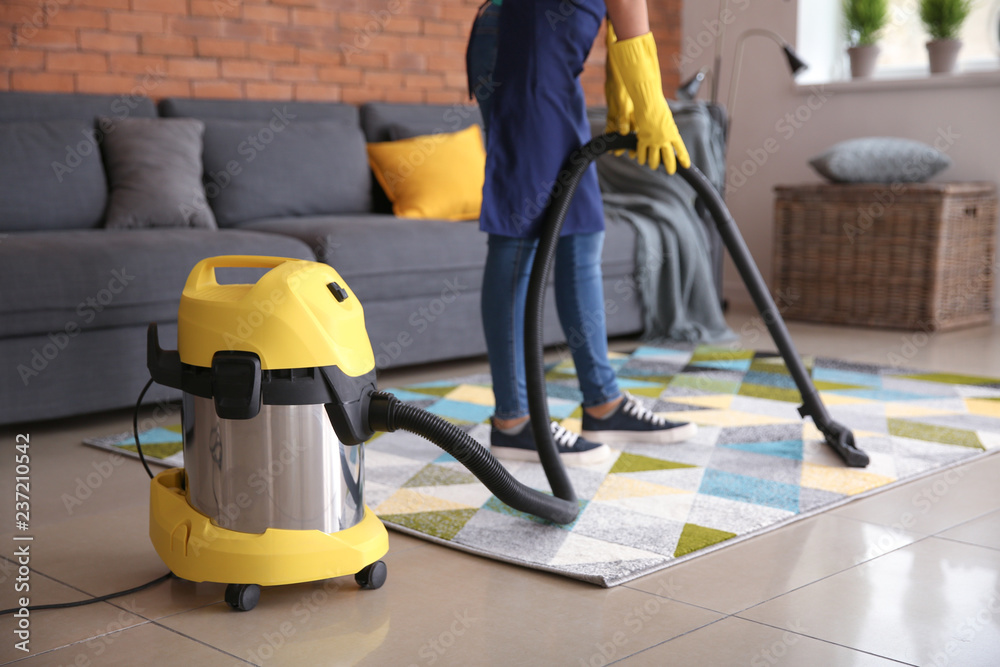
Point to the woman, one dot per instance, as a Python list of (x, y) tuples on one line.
[(535, 115)]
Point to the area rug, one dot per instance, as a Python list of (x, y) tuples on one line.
[(754, 466)]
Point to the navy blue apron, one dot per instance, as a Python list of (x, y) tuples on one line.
[(537, 116)]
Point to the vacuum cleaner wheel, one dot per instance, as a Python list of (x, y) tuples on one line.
[(242, 597), (373, 576)]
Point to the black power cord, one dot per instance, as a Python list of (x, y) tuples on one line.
[(135, 427), (80, 603), (109, 596)]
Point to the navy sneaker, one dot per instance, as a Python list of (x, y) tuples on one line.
[(573, 450), (631, 422)]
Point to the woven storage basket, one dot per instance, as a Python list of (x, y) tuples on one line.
[(910, 256)]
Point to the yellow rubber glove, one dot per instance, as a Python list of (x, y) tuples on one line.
[(635, 60), (621, 113)]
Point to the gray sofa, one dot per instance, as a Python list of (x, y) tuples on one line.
[(76, 296)]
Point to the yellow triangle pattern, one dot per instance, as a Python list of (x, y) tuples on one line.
[(981, 406), (409, 501), (902, 410), (725, 418), (840, 399), (616, 487), (471, 393), (849, 481)]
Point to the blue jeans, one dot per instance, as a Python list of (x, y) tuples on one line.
[(579, 295)]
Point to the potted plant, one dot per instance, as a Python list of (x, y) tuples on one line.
[(864, 21), (943, 20)]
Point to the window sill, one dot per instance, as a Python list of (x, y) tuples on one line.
[(891, 81)]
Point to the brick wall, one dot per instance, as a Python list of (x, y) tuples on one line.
[(338, 50)]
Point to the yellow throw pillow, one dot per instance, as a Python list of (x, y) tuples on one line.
[(434, 176)]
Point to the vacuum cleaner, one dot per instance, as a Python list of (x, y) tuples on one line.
[(279, 394)]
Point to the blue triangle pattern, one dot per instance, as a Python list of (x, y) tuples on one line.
[(788, 449), (750, 490)]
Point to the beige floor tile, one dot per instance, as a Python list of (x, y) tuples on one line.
[(934, 503), (440, 606), (109, 552), (146, 644), (932, 602), (975, 350), (734, 641), (70, 480), (984, 531), (737, 577), (54, 628)]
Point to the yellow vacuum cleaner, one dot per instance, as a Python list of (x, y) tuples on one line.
[(279, 393), (269, 493)]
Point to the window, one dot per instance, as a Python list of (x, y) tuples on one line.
[(822, 43)]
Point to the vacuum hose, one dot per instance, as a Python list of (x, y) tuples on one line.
[(388, 413)]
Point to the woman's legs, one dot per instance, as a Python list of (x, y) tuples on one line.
[(505, 290), (580, 302)]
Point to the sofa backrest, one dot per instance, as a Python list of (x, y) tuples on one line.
[(270, 159), (51, 174), (386, 121)]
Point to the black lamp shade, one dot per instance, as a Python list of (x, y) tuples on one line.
[(795, 63)]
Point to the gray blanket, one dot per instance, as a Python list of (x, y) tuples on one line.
[(674, 274)]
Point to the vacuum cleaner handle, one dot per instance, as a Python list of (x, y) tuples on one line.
[(203, 274)]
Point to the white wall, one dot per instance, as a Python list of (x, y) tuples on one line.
[(798, 123)]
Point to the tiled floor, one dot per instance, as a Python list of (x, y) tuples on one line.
[(908, 576)]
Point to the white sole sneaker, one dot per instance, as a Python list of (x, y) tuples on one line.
[(659, 437)]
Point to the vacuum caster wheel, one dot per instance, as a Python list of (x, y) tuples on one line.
[(372, 577), (243, 597)]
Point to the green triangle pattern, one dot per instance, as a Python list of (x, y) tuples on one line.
[(444, 524), (705, 384), (438, 475), (933, 433), (695, 537), (639, 463), (440, 392), (950, 378), (771, 393), (709, 353)]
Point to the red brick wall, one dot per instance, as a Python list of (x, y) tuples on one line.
[(341, 50)]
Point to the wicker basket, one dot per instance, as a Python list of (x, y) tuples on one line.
[(909, 256)]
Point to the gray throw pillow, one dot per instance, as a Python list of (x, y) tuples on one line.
[(880, 160), (284, 167), (51, 176), (154, 170)]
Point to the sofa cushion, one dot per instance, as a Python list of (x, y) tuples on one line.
[(284, 167), (61, 106), (51, 176), (390, 121), (258, 110), (421, 256), (432, 176), (154, 170), (89, 279), (424, 257)]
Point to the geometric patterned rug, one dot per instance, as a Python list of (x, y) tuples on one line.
[(755, 464)]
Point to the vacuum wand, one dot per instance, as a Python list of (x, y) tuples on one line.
[(838, 436)]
